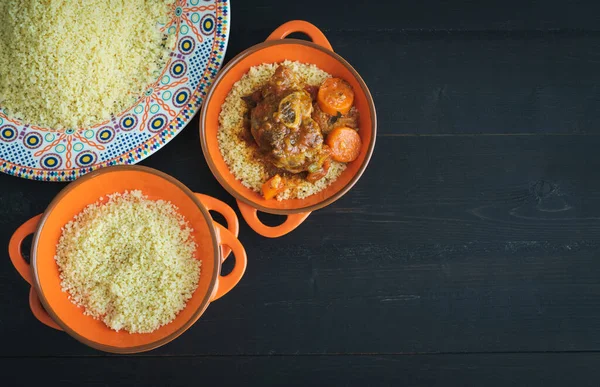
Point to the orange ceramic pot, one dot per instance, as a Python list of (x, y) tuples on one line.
[(52, 306), (277, 49)]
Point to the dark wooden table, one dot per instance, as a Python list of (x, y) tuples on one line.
[(468, 254)]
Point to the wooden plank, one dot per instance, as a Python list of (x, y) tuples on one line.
[(480, 82), (409, 370), (469, 243), (421, 15)]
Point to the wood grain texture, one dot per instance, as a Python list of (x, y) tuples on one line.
[(363, 15), (409, 371)]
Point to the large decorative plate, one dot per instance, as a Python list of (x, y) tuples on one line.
[(202, 29)]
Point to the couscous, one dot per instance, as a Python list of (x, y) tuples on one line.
[(129, 262), (73, 63)]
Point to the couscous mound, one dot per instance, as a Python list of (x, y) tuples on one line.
[(130, 262), (73, 63)]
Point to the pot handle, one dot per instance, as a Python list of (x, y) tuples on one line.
[(14, 247), (233, 224), (250, 215), (305, 27), (39, 312), (228, 282)]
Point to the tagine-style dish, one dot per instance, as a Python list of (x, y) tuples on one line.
[(288, 130)]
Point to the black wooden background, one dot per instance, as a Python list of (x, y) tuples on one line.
[(468, 254)]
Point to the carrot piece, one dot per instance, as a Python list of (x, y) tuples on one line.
[(273, 186), (335, 96), (345, 144)]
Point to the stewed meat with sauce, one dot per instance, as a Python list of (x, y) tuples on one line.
[(282, 125), (327, 122), (288, 130)]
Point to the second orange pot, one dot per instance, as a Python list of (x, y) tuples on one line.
[(52, 306)]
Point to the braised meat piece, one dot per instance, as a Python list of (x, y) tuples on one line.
[(283, 128), (327, 122)]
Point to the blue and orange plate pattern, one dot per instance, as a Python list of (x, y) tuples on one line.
[(167, 106)]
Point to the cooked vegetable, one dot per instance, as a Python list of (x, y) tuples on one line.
[(273, 186), (320, 173), (335, 96), (345, 144)]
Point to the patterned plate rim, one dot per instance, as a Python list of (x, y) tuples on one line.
[(160, 139)]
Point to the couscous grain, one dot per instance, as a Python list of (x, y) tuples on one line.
[(129, 262), (73, 63)]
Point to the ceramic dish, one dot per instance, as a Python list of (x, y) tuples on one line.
[(53, 306), (277, 49), (202, 30)]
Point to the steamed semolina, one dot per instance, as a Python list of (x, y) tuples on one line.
[(129, 262), (73, 63), (241, 157)]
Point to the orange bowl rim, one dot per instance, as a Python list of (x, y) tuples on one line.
[(216, 83), (155, 344)]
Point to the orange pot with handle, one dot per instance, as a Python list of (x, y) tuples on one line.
[(51, 305), (274, 50)]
